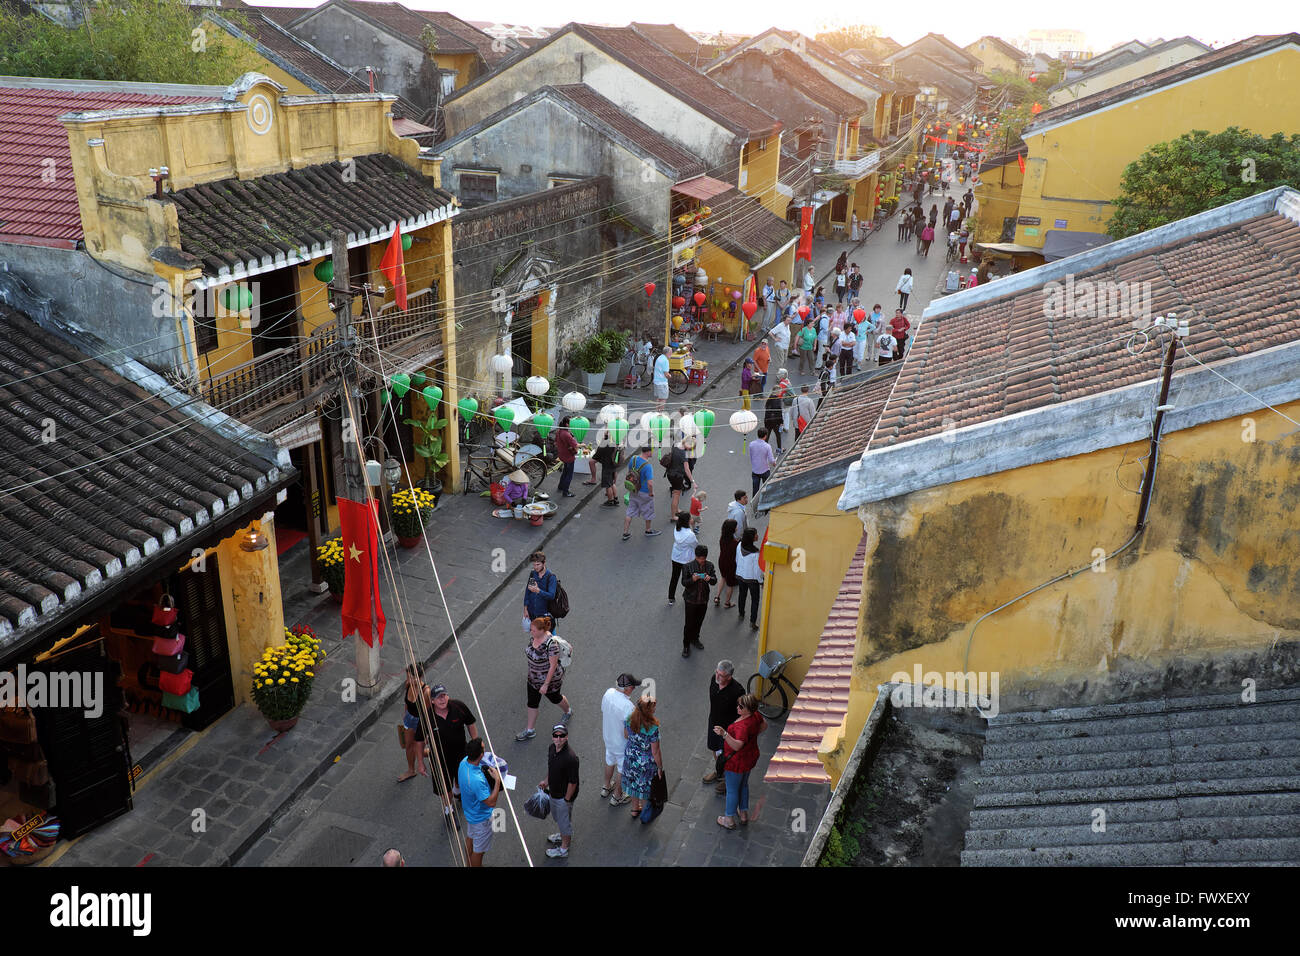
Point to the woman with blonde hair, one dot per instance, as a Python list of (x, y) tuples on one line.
[(740, 749), (642, 761)]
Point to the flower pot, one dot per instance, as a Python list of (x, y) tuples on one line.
[(409, 542), (434, 487), (612, 373), (595, 381), (280, 726)]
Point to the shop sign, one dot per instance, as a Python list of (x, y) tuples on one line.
[(315, 504), (136, 773), (1031, 232), (33, 824), (1029, 221), (1062, 223)]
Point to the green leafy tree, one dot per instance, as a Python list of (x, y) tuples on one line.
[(1198, 171), (133, 41)]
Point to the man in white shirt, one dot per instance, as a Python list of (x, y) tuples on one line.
[(737, 511), (615, 707), (780, 346), (661, 379)]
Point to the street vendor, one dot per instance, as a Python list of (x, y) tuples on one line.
[(516, 488)]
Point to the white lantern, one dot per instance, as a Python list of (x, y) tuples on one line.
[(609, 413), (502, 364), (687, 426), (537, 385), (743, 421), (574, 401), (701, 277)]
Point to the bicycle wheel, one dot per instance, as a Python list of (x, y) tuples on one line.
[(535, 469), (772, 702), (677, 381)]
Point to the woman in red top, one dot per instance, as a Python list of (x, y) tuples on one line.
[(566, 449), (899, 325), (740, 747)]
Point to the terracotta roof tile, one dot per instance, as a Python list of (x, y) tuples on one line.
[(743, 227), (675, 40), (823, 699), (800, 74), (1239, 286)]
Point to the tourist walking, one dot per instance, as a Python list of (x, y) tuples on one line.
[(642, 756), (761, 459), (807, 349), (748, 574), (641, 493), (746, 383), (698, 577), (855, 281), (762, 357), (452, 720), (724, 692), (740, 747), (607, 457), (927, 237), (848, 342), (545, 675), (774, 415), (677, 469), (768, 298), (540, 590), (727, 562), (615, 708), (684, 543), (561, 782), (480, 788), (780, 336), (737, 509), (904, 288), (804, 407), (808, 282), (900, 326)]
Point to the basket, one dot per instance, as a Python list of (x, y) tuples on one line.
[(770, 662)]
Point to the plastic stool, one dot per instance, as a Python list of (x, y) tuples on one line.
[(699, 372)]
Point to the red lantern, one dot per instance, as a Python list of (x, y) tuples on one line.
[(699, 298), (749, 308), (803, 311), (859, 314), (649, 289), (678, 301)]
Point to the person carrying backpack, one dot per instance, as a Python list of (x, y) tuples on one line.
[(546, 666), (641, 498), (540, 590)]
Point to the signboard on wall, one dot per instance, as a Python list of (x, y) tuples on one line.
[(1062, 224), (1029, 221)]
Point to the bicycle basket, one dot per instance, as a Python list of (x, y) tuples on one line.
[(770, 662)]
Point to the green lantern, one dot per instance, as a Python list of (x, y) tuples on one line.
[(578, 426), (401, 384), (324, 271), (543, 422), (406, 243), (705, 418), (468, 406), (658, 425), (237, 298), (618, 431), (505, 417), (418, 379), (432, 396)]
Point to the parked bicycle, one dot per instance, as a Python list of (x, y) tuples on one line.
[(767, 685)]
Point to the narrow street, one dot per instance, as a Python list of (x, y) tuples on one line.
[(620, 621)]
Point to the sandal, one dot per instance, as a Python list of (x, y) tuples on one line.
[(405, 777), (726, 826), (729, 605), (744, 818), (715, 602), (636, 811), (605, 792)]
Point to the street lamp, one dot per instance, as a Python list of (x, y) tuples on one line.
[(385, 477)]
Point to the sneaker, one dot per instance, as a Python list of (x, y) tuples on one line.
[(670, 602), (753, 625), (555, 838), (526, 735), (568, 494), (609, 503), (557, 853), (651, 534), (617, 801), (686, 652), (565, 718), (626, 536)]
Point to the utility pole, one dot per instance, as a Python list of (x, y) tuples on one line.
[(354, 480), (1162, 406)]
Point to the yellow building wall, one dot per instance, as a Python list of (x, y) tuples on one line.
[(993, 59), (1215, 570), (724, 270), (255, 61), (1074, 170), (997, 196), (465, 65), (762, 169), (822, 540), (1086, 86)]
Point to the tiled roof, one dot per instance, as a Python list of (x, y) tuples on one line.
[(236, 221), (281, 15), (814, 85), (584, 97), (33, 208), (742, 227), (960, 55), (1005, 47), (492, 49), (839, 431), (673, 39), (692, 87), (1238, 284), (846, 66), (1177, 73), (409, 24), (823, 699), (128, 476), (703, 188)]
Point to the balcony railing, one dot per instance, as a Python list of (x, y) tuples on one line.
[(859, 166), (249, 391), (419, 326)]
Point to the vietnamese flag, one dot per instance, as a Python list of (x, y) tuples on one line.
[(394, 267), (804, 250), (1020, 158), (362, 608)]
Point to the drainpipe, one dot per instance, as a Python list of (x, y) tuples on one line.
[(1161, 407)]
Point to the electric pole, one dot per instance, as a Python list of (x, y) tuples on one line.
[(354, 480)]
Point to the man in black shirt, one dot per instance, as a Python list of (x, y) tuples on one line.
[(697, 578), (561, 782), (724, 692)]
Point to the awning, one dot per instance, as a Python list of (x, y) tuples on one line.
[(823, 196), (1010, 248), (702, 188), (408, 127), (1062, 243)]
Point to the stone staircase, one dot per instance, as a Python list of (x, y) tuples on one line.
[(1195, 781)]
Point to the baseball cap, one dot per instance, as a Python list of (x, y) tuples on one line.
[(626, 680), (438, 690), (559, 730)]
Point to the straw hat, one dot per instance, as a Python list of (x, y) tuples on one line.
[(518, 477)]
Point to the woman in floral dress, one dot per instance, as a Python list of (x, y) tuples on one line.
[(641, 759)]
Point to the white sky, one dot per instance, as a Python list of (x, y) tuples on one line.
[(1105, 22)]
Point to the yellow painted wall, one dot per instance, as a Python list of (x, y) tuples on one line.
[(884, 108), (465, 65), (804, 589), (726, 270), (215, 35), (997, 196), (993, 58), (1088, 85), (1214, 571), (762, 169), (1074, 170)]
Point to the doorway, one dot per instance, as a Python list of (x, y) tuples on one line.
[(277, 321)]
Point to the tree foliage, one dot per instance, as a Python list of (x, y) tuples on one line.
[(1199, 171), (846, 38), (134, 41)]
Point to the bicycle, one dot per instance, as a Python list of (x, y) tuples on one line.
[(773, 701), (633, 371)]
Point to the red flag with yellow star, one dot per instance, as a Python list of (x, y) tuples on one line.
[(362, 609), (394, 267)]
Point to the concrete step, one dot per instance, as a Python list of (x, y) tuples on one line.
[(1133, 854), (1187, 808), (1122, 794), (1102, 724), (1268, 732), (1088, 779), (1081, 833), (1248, 851)]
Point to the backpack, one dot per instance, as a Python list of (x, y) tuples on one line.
[(558, 606), (566, 651), (633, 480)]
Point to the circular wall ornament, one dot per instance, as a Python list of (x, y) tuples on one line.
[(260, 114)]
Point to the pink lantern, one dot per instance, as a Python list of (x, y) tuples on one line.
[(736, 294)]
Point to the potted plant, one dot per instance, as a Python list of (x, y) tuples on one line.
[(616, 346), (429, 447), (330, 557), (283, 678), (411, 510), (590, 356)]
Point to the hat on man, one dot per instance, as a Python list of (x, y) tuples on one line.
[(625, 681)]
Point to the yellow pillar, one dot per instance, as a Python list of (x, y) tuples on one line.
[(443, 268), (255, 607)]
